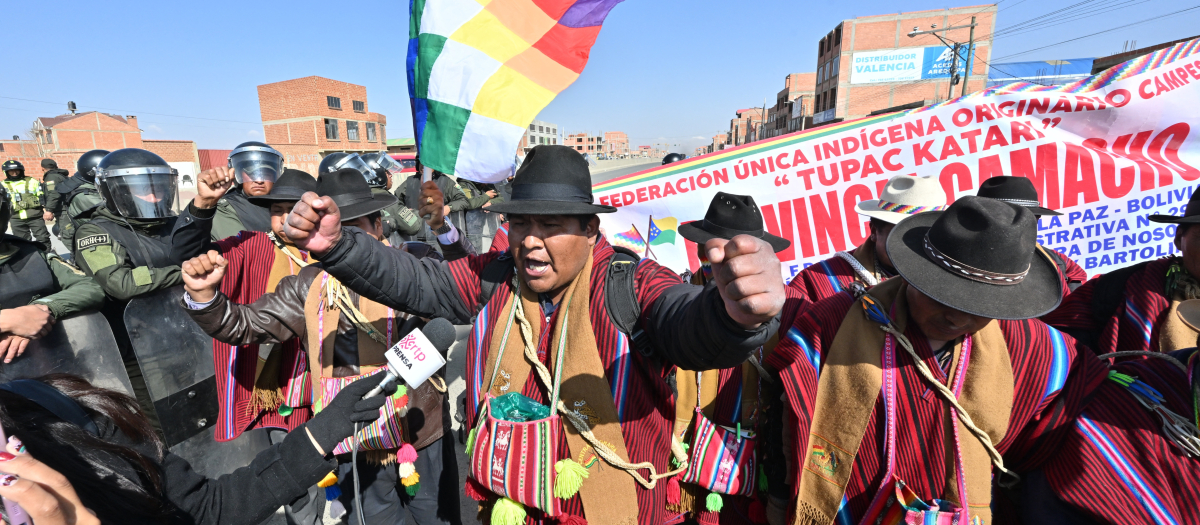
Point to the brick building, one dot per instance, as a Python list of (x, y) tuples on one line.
[(719, 142), (870, 63), (539, 133), (66, 137), (308, 118), (586, 143), (616, 144), (741, 126), (796, 88)]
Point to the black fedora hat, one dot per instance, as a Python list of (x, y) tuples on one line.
[(729, 215), (1014, 190), (349, 190), (553, 180), (1190, 216), (978, 256), (288, 188)]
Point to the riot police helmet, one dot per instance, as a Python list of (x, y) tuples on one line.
[(384, 166), (341, 160), (137, 184), (673, 157), (13, 169), (88, 161), (255, 161)]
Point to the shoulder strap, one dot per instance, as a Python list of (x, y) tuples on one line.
[(620, 298), (493, 275), (1109, 292)]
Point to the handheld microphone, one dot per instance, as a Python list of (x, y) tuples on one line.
[(417, 355)]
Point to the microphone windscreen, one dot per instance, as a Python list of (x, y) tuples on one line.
[(440, 333)]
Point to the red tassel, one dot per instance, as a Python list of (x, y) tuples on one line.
[(476, 491), (758, 513), (571, 519), (673, 490)]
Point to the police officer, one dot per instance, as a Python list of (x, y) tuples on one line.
[(36, 289), (397, 220), (256, 166), (27, 198), (126, 246), (409, 194), (78, 197), (52, 176)]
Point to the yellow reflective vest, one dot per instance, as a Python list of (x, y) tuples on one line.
[(26, 196)]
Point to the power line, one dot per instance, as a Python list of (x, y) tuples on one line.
[(1100, 32), (131, 111)]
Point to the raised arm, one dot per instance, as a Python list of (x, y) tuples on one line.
[(273, 318), (385, 275), (193, 230)]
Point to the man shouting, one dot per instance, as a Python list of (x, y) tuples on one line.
[(554, 282)]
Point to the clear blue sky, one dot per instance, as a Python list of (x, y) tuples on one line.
[(662, 70)]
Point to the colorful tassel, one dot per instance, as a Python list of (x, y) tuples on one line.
[(332, 493), (675, 462), (411, 490), (474, 490), (757, 512), (674, 492), (713, 502), (570, 478), (336, 509), (762, 479), (406, 454), (508, 512), (470, 441), (571, 519), (411, 480), (285, 410), (329, 480), (407, 469)]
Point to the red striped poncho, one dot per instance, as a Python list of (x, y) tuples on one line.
[(251, 255), (1135, 323), (1042, 361)]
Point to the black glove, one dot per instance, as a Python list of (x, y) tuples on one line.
[(336, 422)]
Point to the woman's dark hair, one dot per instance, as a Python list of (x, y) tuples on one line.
[(116, 481)]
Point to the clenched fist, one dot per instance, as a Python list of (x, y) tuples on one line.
[(211, 185), (432, 205), (314, 225), (748, 277), (202, 275)]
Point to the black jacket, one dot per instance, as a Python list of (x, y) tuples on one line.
[(688, 326), (277, 476)]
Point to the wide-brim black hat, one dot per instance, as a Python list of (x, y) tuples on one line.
[(1014, 190), (349, 190), (728, 216), (553, 180), (288, 188), (1191, 215), (979, 256)]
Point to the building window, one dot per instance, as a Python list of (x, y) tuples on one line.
[(837, 36), (331, 129), (359, 106), (541, 129), (334, 102), (49, 137), (371, 131), (554, 142), (555, 130), (351, 130), (532, 127)]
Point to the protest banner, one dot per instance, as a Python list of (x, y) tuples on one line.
[(1106, 151)]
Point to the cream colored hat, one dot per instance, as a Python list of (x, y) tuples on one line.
[(903, 197)]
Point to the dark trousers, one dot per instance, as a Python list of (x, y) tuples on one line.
[(384, 499), (32, 229)]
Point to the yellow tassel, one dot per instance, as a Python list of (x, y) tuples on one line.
[(411, 480), (329, 480), (508, 512), (570, 478)]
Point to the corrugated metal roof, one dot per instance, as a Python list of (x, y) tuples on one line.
[(402, 142)]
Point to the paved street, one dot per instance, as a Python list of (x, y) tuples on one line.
[(622, 171)]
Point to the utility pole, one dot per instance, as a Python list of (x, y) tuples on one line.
[(970, 57), (954, 63), (953, 70)]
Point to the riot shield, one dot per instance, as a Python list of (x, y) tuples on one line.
[(481, 228), (177, 363), (82, 345)]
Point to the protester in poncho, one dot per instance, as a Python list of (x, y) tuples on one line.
[(737, 397), (338, 349), (1020, 191), (556, 280), (902, 197), (1134, 308), (871, 427)]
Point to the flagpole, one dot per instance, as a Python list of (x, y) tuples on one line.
[(648, 251), (649, 228)]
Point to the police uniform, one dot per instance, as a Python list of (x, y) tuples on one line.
[(52, 177), (235, 213), (29, 275), (78, 199), (27, 196), (409, 194), (397, 219)]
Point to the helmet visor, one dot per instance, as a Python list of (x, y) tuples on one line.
[(388, 163), (257, 164), (140, 193), (353, 161)]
